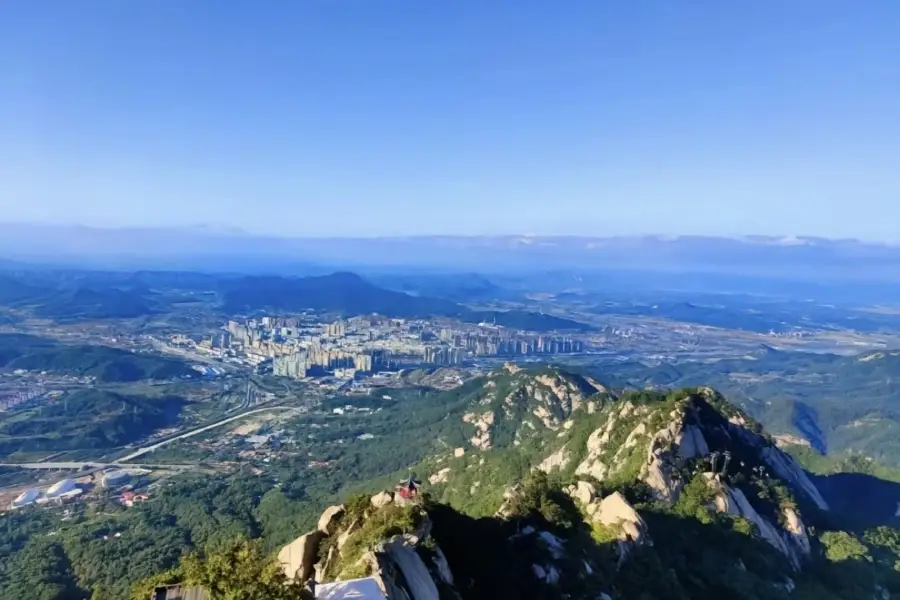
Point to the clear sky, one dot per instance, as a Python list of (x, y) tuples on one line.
[(382, 117)]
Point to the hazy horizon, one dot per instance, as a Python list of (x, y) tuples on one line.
[(304, 119), (786, 240)]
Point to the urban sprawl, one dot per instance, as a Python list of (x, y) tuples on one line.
[(299, 348)]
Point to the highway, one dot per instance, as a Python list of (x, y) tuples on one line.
[(193, 432)]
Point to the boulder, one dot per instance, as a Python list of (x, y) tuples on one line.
[(382, 499), (583, 492), (330, 519), (459, 452), (298, 558), (548, 574), (615, 511)]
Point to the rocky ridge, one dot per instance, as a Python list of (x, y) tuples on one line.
[(628, 471), (575, 428)]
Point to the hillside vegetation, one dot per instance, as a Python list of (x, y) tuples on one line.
[(350, 294), (537, 484), (107, 364), (86, 419), (838, 403)]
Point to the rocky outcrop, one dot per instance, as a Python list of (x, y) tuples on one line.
[(557, 461), (439, 477), (482, 424), (616, 512), (398, 556), (793, 541), (673, 436), (298, 558), (330, 519), (795, 528), (787, 468), (381, 499), (667, 452), (592, 464), (691, 443), (527, 404), (734, 502), (583, 492), (403, 566)]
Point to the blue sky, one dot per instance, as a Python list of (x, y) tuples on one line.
[(325, 117)]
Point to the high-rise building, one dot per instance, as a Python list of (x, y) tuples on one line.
[(363, 362), (291, 365)]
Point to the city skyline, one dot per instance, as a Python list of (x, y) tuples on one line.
[(471, 119)]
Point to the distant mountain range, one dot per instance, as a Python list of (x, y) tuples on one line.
[(350, 294), (805, 258), (120, 296)]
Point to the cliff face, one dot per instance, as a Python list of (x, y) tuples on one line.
[(384, 540), (397, 547), (574, 428)]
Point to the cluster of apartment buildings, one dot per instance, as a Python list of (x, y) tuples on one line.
[(301, 346)]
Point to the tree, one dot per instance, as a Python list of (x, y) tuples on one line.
[(239, 570), (841, 546)]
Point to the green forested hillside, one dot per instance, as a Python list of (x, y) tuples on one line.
[(107, 364), (469, 462), (86, 419), (838, 403)]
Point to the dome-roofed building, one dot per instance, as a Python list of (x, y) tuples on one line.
[(60, 488), (25, 498)]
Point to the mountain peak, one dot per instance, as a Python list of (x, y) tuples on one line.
[(664, 447), (514, 403)]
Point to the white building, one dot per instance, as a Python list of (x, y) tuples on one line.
[(25, 498), (60, 488)]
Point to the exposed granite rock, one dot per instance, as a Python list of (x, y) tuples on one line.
[(583, 491), (615, 511), (298, 558), (330, 519), (381, 499), (439, 477), (788, 469), (557, 461), (733, 501)]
